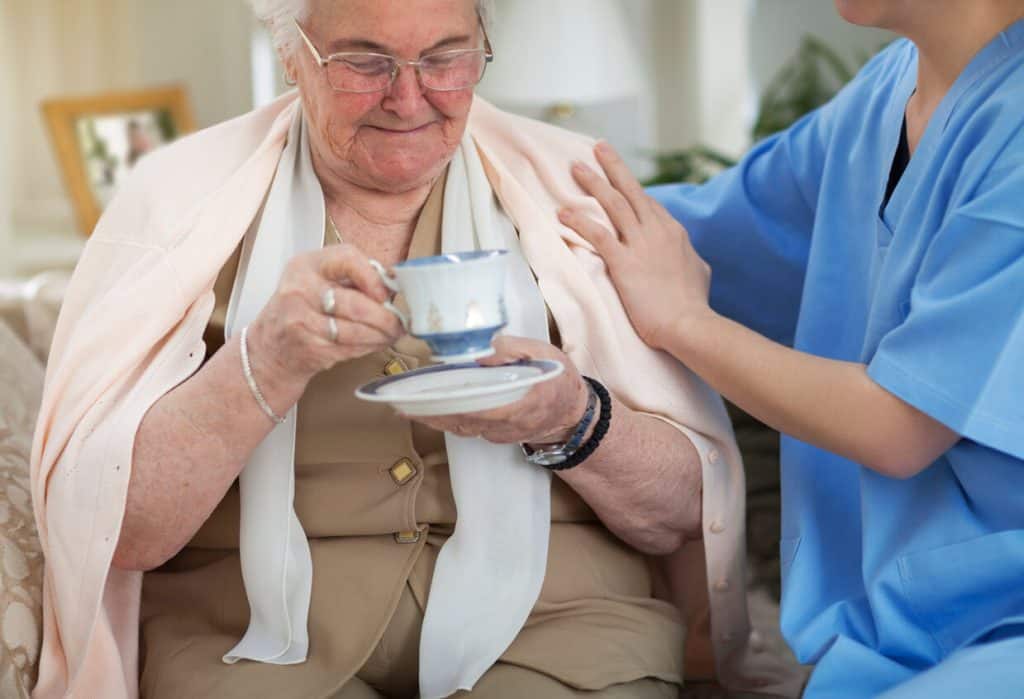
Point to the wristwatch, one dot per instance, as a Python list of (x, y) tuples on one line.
[(550, 455)]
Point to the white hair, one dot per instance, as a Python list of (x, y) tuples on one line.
[(277, 15)]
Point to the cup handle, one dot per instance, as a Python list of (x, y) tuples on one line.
[(393, 285), (402, 318), (384, 277)]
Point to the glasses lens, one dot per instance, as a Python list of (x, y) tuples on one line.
[(360, 72), (452, 70)]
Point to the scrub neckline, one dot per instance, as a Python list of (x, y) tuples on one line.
[(993, 54)]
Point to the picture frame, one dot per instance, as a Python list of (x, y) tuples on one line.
[(98, 138)]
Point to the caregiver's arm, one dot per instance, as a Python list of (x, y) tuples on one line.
[(831, 404), (195, 440), (644, 481)]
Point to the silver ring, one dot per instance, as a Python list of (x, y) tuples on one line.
[(332, 329), (328, 302)]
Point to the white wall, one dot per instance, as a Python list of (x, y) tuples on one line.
[(61, 47), (695, 84), (6, 131), (663, 32), (710, 58), (778, 26), (204, 44), (54, 51), (697, 54), (723, 70)]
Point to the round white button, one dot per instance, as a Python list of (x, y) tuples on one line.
[(713, 456), (717, 527), (756, 642), (722, 585)]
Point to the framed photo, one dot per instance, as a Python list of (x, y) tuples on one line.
[(99, 138)]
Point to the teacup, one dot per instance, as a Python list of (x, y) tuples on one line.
[(456, 301)]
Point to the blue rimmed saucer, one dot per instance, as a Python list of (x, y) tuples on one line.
[(449, 389)]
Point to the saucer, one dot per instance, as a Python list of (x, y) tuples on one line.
[(449, 389)]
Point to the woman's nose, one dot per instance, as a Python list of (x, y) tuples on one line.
[(405, 96)]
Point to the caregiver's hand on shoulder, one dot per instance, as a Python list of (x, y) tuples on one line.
[(661, 279), (547, 414), (328, 308)]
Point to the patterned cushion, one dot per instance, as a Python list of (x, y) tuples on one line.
[(30, 308), (21, 561)]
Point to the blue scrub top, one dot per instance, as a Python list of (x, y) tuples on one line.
[(883, 578)]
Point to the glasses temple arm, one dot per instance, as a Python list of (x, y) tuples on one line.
[(312, 49)]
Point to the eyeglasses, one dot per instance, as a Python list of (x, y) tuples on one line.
[(444, 71)]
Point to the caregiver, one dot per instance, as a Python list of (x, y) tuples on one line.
[(866, 276)]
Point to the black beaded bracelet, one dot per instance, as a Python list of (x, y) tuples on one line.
[(600, 429)]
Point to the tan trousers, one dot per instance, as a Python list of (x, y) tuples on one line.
[(392, 672), (511, 682)]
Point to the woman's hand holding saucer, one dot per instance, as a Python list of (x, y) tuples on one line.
[(328, 308), (548, 413), (661, 279)]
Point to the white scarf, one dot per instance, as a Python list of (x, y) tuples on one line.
[(489, 573)]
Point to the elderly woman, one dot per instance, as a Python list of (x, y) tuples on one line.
[(330, 567)]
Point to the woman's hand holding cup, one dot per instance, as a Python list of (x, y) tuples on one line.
[(329, 307)]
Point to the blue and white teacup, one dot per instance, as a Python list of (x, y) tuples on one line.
[(456, 301)]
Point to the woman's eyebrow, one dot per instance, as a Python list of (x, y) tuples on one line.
[(343, 45)]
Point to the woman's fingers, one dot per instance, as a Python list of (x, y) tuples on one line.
[(355, 306), (519, 422), (498, 426), (442, 423), (344, 336), (346, 263), (351, 290), (603, 240), (622, 179), (615, 204), (509, 349), (362, 336), (328, 308)]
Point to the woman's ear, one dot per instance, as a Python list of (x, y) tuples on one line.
[(291, 69)]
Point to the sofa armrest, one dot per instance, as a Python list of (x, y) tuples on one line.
[(30, 308), (21, 559)]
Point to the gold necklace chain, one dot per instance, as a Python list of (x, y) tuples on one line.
[(334, 228)]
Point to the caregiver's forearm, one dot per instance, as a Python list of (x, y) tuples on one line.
[(643, 482), (189, 448), (831, 404)]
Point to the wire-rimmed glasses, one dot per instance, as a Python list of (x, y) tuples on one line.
[(364, 72)]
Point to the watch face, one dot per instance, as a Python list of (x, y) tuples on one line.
[(547, 458)]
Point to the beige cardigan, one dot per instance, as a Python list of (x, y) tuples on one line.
[(131, 329)]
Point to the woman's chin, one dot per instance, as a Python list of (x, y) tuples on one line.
[(863, 13), (400, 179), (399, 161)]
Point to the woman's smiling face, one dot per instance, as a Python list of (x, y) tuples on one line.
[(396, 139)]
